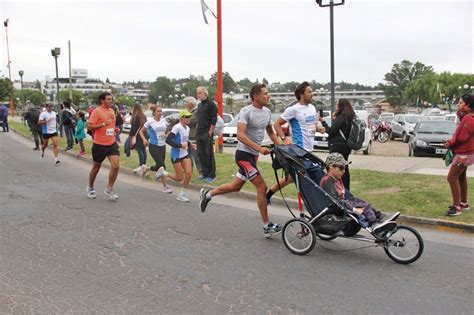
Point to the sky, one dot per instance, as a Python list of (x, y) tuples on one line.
[(280, 40)]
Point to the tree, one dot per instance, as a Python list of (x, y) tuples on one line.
[(265, 81), (245, 85), (77, 96), (161, 89), (399, 78), (228, 83), (4, 89), (126, 100), (34, 96)]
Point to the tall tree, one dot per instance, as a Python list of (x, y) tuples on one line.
[(77, 96), (229, 84), (4, 89), (34, 96), (400, 76)]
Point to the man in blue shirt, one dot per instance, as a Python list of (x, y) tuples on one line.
[(4, 117)]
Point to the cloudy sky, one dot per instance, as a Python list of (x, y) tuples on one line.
[(281, 40)]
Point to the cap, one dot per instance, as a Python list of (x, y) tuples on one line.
[(336, 159), (184, 113)]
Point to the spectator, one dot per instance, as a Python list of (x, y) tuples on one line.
[(119, 119), (341, 123), (80, 133), (462, 143), (69, 122), (206, 116), (4, 117), (32, 117), (190, 105)]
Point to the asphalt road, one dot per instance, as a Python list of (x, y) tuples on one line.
[(148, 253)]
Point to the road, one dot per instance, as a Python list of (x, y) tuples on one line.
[(148, 253)]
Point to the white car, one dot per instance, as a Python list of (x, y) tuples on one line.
[(321, 140)]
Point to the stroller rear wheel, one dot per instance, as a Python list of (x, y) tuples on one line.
[(405, 245), (299, 236)]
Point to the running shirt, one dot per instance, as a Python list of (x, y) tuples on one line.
[(303, 120), (257, 120), (50, 126), (103, 135), (181, 135), (156, 131)]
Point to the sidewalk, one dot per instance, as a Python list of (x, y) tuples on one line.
[(437, 224)]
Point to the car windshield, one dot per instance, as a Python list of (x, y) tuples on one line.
[(436, 127), (412, 119)]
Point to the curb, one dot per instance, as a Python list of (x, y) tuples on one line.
[(437, 224)]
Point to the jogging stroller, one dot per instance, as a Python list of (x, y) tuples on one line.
[(327, 218)]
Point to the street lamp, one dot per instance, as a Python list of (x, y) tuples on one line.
[(21, 81), (55, 53), (331, 6), (12, 106)]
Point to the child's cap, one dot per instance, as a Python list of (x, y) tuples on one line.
[(336, 159), (185, 113)]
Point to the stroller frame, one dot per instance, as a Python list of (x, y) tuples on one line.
[(327, 218)]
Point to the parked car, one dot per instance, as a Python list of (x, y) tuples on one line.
[(402, 124), (428, 137), (452, 117), (321, 140), (149, 115)]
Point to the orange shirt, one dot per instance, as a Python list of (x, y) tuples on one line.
[(103, 135)]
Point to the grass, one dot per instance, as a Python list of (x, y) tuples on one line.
[(412, 194)]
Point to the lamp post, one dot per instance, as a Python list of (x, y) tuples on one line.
[(12, 106), (331, 6), (21, 81), (55, 53)]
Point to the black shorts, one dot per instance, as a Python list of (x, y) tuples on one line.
[(158, 154), (49, 135), (178, 160), (100, 152), (247, 163)]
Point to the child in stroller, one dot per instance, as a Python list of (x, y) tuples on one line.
[(333, 185)]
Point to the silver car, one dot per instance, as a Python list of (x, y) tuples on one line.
[(402, 125)]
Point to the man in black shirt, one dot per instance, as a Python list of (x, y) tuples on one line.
[(206, 116)]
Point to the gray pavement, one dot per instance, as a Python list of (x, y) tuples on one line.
[(148, 253)]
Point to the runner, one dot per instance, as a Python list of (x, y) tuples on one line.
[(178, 139), (102, 124), (48, 122), (253, 121), (304, 121)]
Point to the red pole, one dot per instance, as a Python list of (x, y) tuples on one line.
[(219, 67)]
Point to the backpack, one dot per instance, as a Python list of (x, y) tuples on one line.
[(356, 135)]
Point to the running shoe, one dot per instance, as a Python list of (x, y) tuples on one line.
[(160, 173), (464, 206), (167, 190), (91, 193), (142, 171), (36, 148), (203, 199), (42, 154), (112, 195), (201, 177), (182, 197), (210, 179), (272, 229), (57, 162), (453, 211)]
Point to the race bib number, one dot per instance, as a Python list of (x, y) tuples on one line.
[(109, 132), (161, 137), (311, 123)]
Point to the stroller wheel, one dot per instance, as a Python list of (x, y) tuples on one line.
[(299, 236), (405, 245)]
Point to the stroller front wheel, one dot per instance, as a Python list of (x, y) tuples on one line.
[(299, 236), (405, 245)]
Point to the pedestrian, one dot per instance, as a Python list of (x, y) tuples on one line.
[(48, 122), (80, 133), (156, 129), (462, 143), (206, 116), (253, 121), (341, 123), (118, 119), (60, 120), (69, 122), (137, 121), (31, 117), (304, 121), (178, 139), (190, 105), (102, 124), (4, 117)]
